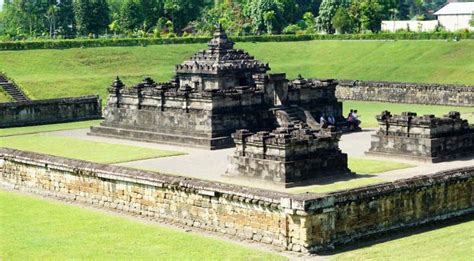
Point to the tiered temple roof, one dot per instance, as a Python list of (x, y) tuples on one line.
[(221, 57)]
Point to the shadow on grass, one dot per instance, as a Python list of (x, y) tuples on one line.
[(383, 237)]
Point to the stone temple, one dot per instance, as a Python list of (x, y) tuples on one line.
[(424, 138), (216, 92)]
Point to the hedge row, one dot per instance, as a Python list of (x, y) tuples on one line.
[(80, 43)]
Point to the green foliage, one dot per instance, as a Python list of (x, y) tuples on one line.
[(341, 21), (33, 229), (291, 29), (92, 16), (287, 37), (327, 10), (471, 22), (131, 15), (367, 15)]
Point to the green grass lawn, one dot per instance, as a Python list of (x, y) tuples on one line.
[(81, 149), (368, 110), (455, 242), (35, 229), (368, 166), (4, 97), (48, 127), (366, 170), (73, 72)]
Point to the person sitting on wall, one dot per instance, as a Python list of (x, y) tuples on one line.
[(323, 122), (331, 120), (350, 120), (355, 119)]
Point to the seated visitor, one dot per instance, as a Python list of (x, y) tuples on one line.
[(349, 119), (355, 119), (323, 122), (332, 120)]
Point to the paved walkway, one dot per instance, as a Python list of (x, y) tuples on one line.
[(206, 164)]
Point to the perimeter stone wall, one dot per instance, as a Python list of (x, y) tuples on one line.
[(37, 112), (396, 92), (307, 222)]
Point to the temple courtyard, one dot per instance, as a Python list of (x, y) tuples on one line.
[(207, 164)]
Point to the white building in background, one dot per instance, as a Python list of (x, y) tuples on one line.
[(453, 17), (456, 16)]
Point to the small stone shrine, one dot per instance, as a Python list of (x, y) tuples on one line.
[(287, 155), (426, 138), (218, 91)]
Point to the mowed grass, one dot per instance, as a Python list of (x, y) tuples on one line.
[(35, 229), (4, 97), (81, 149), (366, 170), (455, 242), (48, 127), (368, 110), (369, 166), (74, 72)]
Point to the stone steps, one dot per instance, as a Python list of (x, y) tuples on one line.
[(11, 89)]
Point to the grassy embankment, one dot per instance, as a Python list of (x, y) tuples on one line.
[(73, 72), (34, 229)]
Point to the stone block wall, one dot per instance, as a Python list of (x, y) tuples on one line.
[(417, 93), (305, 222), (425, 138), (287, 156), (15, 114)]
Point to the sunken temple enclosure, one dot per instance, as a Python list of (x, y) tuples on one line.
[(213, 94), (299, 222)]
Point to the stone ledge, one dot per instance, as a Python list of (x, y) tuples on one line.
[(302, 202)]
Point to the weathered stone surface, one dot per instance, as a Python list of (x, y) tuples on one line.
[(216, 92), (307, 222), (425, 138), (288, 155), (397, 92), (49, 111)]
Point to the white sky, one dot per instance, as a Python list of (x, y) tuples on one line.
[(1, 4)]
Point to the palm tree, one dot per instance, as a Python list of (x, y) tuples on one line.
[(51, 15)]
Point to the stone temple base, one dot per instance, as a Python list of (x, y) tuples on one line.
[(166, 138), (288, 174), (423, 159)]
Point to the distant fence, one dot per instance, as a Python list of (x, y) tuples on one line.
[(396, 92), (82, 43), (15, 114)]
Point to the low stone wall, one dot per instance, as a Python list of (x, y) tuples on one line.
[(15, 114), (307, 222), (418, 93)]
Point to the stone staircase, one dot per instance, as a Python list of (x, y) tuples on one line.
[(12, 89), (293, 115)]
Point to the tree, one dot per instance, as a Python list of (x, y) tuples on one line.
[(269, 19), (92, 16), (327, 10), (66, 23), (131, 15), (341, 21), (310, 22), (51, 15), (366, 15), (471, 22)]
